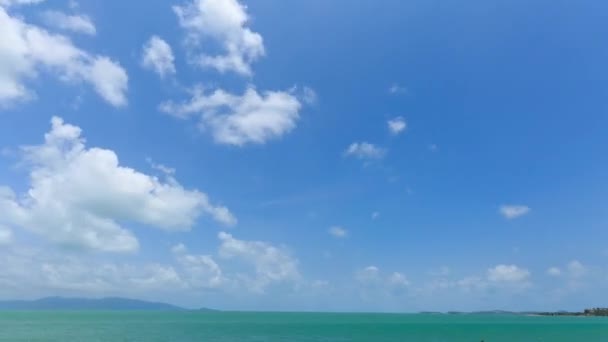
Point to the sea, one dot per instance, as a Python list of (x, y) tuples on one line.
[(93, 326)]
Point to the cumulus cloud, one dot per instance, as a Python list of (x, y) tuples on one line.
[(364, 151), (500, 278), (508, 274), (373, 282), (271, 264), (513, 211), (27, 50), (28, 272), (338, 232), (240, 119), (223, 22), (198, 271), (74, 23), (158, 57), (78, 196), (396, 125)]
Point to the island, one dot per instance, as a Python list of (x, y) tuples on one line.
[(586, 312), (108, 303)]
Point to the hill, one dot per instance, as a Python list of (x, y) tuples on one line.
[(110, 303)]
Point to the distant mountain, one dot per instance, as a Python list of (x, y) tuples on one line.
[(111, 303)]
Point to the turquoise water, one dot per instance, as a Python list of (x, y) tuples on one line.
[(326, 327)]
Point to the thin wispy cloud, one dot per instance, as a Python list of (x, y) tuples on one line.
[(513, 211), (338, 232), (365, 151), (78, 23), (395, 89)]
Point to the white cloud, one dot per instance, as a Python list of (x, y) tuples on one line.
[(8, 3), (74, 23), (179, 248), (396, 125), (508, 274), (397, 89), (238, 120), (224, 22), (199, 271), (158, 57), (365, 151), (513, 211), (166, 170), (6, 235), (30, 272), (26, 50), (309, 96), (338, 232), (576, 269), (373, 282), (78, 195), (398, 279), (109, 80), (554, 271), (271, 264), (368, 274)]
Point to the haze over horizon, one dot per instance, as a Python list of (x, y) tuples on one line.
[(309, 155)]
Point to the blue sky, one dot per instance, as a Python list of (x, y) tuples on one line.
[(305, 155)]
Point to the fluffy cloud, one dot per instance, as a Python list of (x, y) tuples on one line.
[(574, 269), (223, 22), (513, 211), (374, 283), (26, 50), (271, 264), (158, 57), (338, 232), (238, 120), (365, 151), (78, 195), (33, 272), (396, 125), (30, 272), (74, 23), (508, 274), (507, 279), (198, 271)]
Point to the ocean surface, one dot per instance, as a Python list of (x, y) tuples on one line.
[(237, 326)]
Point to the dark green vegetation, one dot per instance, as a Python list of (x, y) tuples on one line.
[(111, 304), (586, 312)]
